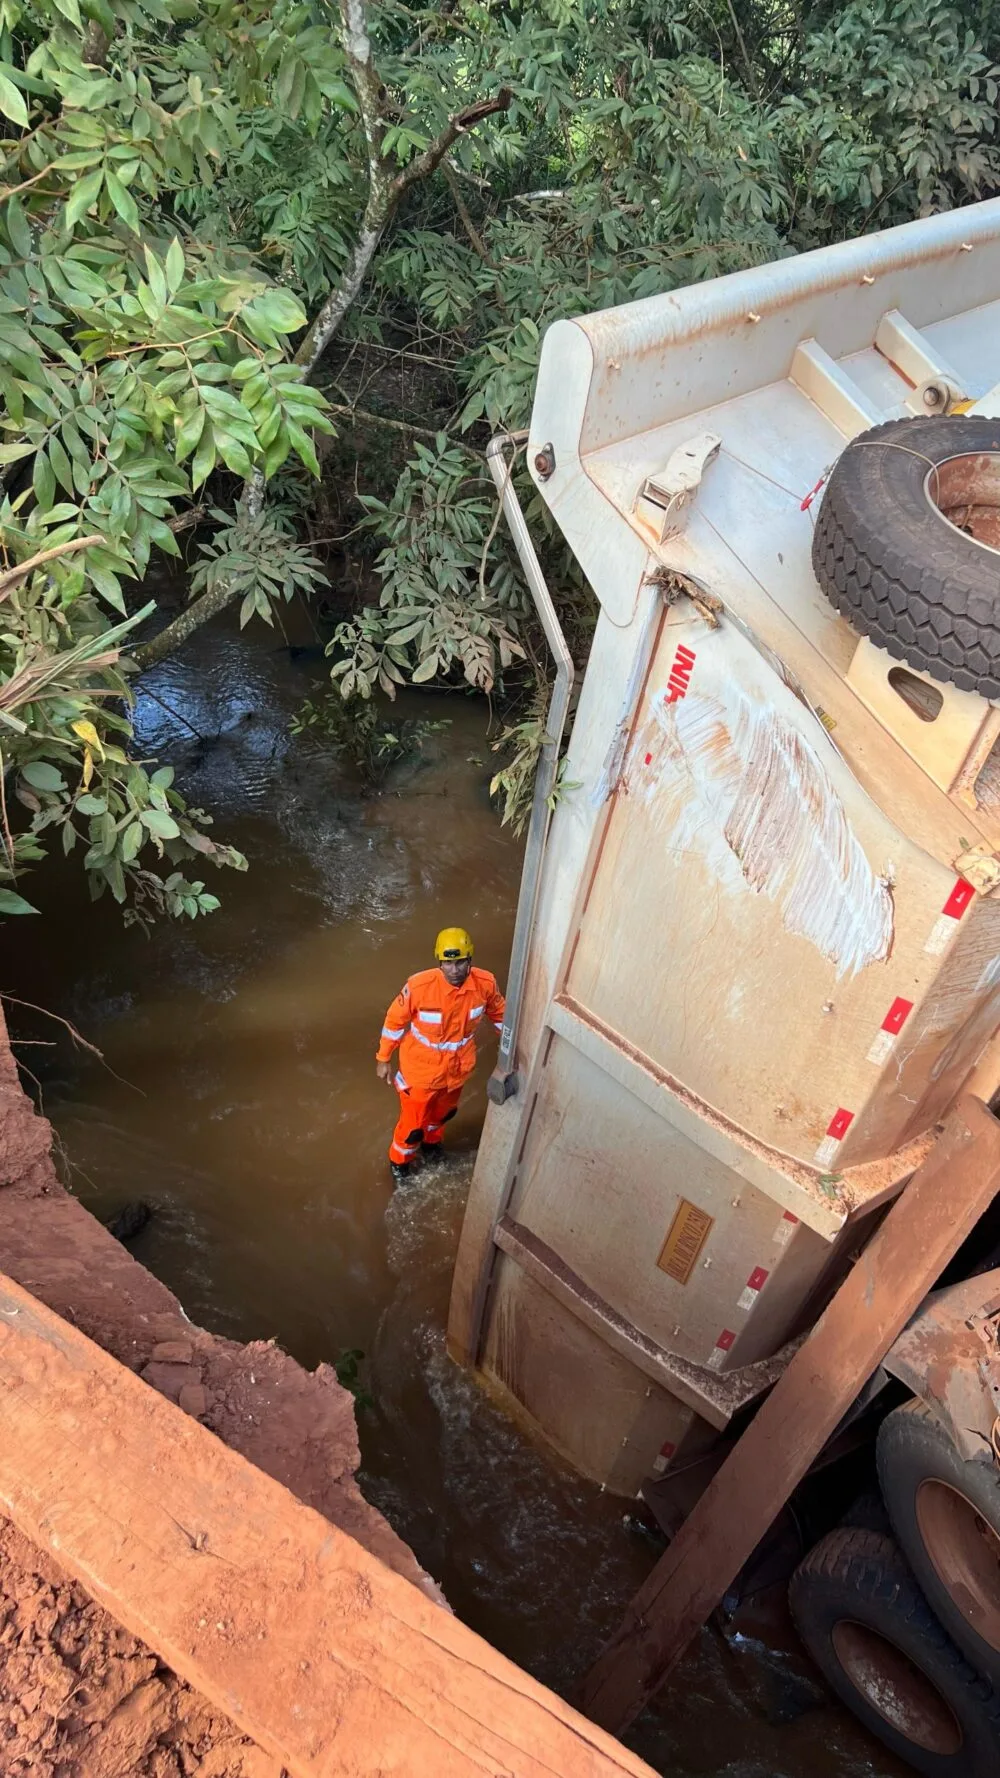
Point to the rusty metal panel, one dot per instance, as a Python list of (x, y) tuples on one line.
[(540, 1359), (922, 1232), (939, 1356)]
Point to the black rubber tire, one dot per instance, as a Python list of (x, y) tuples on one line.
[(856, 1584), (894, 565), (914, 1449)]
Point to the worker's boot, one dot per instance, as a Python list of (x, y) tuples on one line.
[(432, 1153), (401, 1171)]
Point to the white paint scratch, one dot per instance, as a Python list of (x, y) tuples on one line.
[(747, 789)]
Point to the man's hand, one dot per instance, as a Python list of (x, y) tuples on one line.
[(384, 1071)]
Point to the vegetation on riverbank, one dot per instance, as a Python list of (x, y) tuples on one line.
[(276, 271)]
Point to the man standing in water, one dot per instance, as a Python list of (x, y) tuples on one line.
[(434, 1020)]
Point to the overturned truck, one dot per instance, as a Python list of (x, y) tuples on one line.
[(757, 955)]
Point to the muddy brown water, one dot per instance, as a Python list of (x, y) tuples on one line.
[(239, 1098)]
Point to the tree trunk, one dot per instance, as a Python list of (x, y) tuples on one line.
[(209, 605), (385, 188)]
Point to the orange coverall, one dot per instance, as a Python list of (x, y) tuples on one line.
[(435, 1027)]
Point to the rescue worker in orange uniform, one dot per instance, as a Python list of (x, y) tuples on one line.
[(434, 1021)]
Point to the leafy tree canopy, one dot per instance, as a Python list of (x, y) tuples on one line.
[(229, 227)]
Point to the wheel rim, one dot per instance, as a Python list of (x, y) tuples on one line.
[(965, 492), (902, 1695), (964, 1550)]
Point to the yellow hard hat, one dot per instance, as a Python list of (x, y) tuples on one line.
[(453, 944)]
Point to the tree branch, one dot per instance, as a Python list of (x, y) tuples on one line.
[(365, 418), (21, 572), (385, 189), (424, 164), (475, 238), (209, 605)]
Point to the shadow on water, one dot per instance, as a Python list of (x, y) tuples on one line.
[(244, 1106)]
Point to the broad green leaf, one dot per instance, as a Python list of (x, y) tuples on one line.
[(123, 201), (132, 840), (156, 276), (233, 455), (61, 465), (188, 433), (14, 904), (42, 480), (279, 310), (204, 457), (107, 584), (84, 194), (17, 227), (43, 776), (13, 106), (303, 446), (163, 826), (175, 266)]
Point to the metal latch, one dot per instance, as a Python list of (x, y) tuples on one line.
[(667, 495)]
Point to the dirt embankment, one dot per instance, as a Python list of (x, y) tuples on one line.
[(78, 1697)]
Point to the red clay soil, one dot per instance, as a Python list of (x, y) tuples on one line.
[(80, 1698), (298, 1426)]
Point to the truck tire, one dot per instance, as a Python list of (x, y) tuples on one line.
[(906, 545), (870, 1631), (945, 1510)]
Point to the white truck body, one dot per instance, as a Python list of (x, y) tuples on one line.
[(765, 952)]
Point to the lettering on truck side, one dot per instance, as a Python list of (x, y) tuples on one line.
[(680, 674)]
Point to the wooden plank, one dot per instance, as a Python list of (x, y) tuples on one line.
[(332, 1663), (922, 1232)]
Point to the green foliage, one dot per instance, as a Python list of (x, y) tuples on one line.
[(134, 364), (647, 146), (446, 605), (257, 559), (521, 745), (184, 189), (362, 733), (348, 1369)]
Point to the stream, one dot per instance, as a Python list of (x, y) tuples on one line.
[(238, 1096)]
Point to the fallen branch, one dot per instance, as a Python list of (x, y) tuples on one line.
[(362, 414), (13, 575)]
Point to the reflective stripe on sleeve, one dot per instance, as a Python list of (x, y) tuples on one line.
[(387, 1031)]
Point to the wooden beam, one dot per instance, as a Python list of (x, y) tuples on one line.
[(332, 1663), (902, 1262)]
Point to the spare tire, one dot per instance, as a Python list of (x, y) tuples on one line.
[(870, 1631), (907, 545)]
